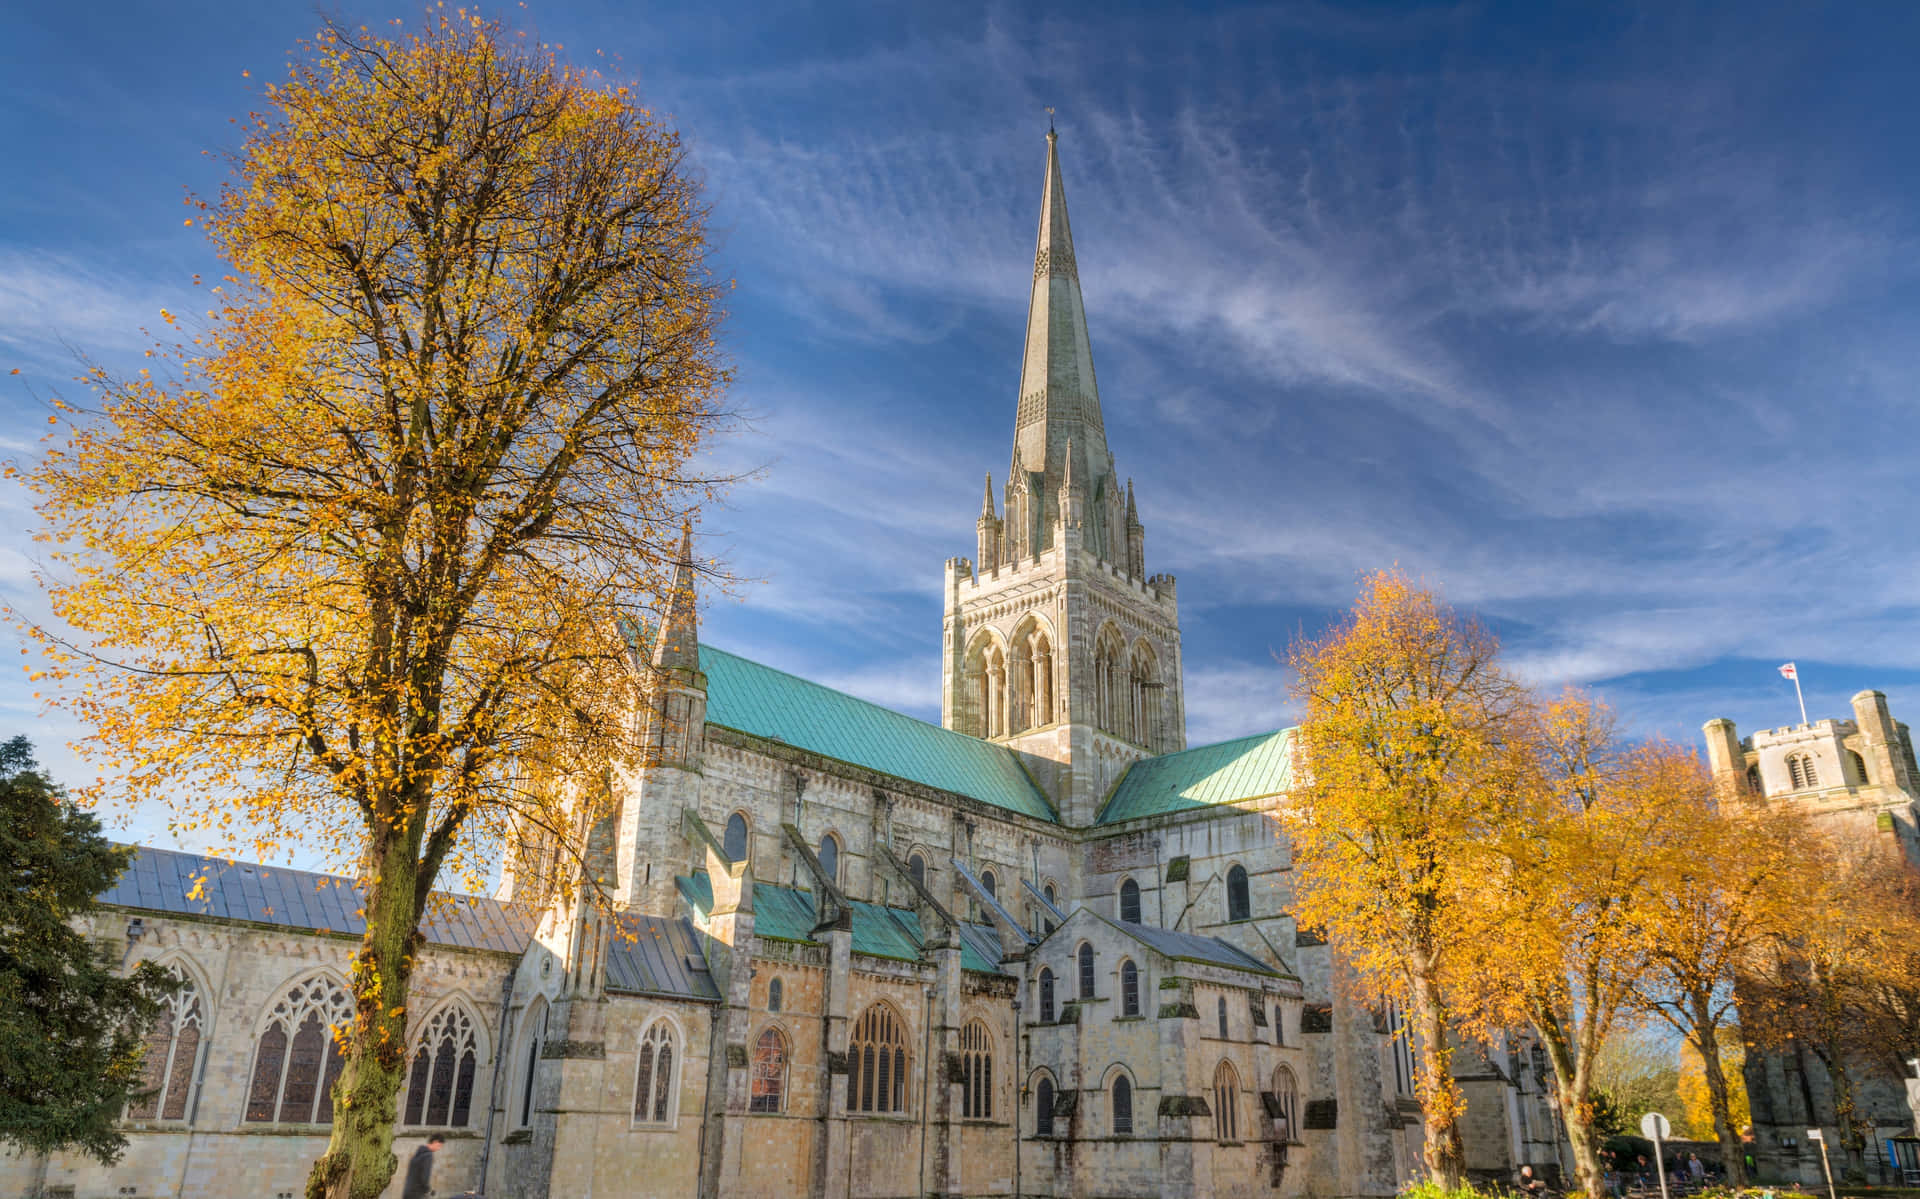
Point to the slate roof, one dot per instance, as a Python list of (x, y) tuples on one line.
[(765, 702), (1192, 947), (658, 955), (160, 880), (786, 914), (1246, 768)]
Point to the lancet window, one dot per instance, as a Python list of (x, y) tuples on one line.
[(1286, 1094), (173, 1055), (440, 1085), (1130, 901), (1031, 675), (985, 696), (1043, 1108), (1802, 772), (1122, 1106), (297, 1060)]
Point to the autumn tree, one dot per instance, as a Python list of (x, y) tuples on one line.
[(1844, 985), (1699, 1117), (348, 563), (1403, 777), (1637, 1074), (1580, 865), (1738, 891), (73, 1027)]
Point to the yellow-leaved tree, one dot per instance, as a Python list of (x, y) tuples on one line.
[(1405, 755), (1740, 890), (1581, 863), (1699, 1116), (349, 563)]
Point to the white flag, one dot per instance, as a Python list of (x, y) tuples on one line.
[(1788, 672)]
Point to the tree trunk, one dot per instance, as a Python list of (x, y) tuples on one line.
[(1440, 1099), (1572, 1080), (1706, 1040), (359, 1161)]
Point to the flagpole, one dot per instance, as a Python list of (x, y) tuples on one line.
[(1798, 696)]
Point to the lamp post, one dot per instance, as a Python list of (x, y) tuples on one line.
[(1826, 1167)]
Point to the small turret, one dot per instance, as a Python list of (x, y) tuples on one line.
[(675, 722), (1136, 538), (988, 530)]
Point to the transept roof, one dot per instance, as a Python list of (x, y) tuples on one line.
[(1207, 775)]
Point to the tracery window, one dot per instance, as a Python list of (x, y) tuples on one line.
[(1287, 1096), (736, 839), (173, 1056), (769, 1072), (1226, 1103), (1086, 970), (297, 1060), (1043, 1107), (830, 857), (1129, 988), (1122, 1106), (986, 690), (440, 1085), (877, 1062), (976, 1072), (653, 1089), (1046, 995), (1144, 697), (1130, 901), (1239, 902)]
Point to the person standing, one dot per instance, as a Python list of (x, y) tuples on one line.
[(420, 1169), (1696, 1167)]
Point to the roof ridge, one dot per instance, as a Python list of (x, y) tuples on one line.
[(815, 683), (1217, 744), (320, 874)]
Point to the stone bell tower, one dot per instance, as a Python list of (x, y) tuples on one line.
[(1056, 640)]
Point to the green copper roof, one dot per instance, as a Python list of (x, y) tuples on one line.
[(786, 914), (1248, 768), (765, 702)]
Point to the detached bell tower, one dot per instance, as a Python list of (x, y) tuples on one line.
[(1056, 640)]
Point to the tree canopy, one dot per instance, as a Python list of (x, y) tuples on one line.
[(351, 562), (73, 1028)]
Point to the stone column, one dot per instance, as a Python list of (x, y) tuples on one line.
[(831, 1149)]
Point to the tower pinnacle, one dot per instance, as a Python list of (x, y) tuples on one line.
[(678, 646)]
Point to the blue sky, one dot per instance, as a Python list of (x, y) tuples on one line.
[(1600, 318)]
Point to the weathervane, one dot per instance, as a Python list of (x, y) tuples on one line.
[(1049, 118)]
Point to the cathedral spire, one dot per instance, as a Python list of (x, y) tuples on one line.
[(986, 504), (1059, 399), (678, 646)]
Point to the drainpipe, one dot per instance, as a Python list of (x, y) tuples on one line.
[(499, 1068), (1019, 1085)]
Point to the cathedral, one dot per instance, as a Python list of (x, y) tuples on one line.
[(1043, 948)]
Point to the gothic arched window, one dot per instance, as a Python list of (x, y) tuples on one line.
[(984, 711), (976, 1072), (1143, 696), (1046, 995), (653, 1084), (830, 857), (1129, 988), (769, 1072), (877, 1062), (1086, 970), (736, 839), (774, 996), (173, 1056), (1239, 903), (1286, 1094), (917, 867), (989, 884), (1122, 1106), (1043, 1107), (1753, 779), (1801, 770), (1222, 1007), (535, 1024), (440, 1086), (1226, 1103), (298, 1060), (1130, 901)]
